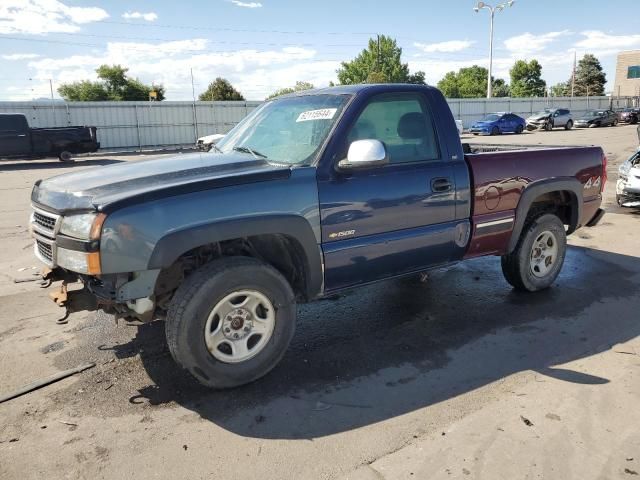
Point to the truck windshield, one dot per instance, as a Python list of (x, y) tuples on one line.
[(288, 130)]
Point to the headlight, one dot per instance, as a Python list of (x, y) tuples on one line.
[(80, 262), (87, 226)]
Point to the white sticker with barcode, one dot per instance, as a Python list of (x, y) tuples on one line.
[(324, 114)]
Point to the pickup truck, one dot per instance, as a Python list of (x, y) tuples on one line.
[(311, 194), (18, 141)]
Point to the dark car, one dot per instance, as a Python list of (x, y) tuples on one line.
[(597, 118), (17, 140), (311, 194), (628, 115), (498, 123)]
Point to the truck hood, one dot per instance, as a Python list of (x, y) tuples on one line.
[(104, 188)]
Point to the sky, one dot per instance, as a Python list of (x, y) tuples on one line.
[(263, 45)]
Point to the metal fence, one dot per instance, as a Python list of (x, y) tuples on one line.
[(138, 125)]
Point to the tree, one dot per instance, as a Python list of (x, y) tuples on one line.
[(300, 86), (561, 89), (590, 79), (501, 88), (113, 84), (219, 90), (526, 79), (380, 62)]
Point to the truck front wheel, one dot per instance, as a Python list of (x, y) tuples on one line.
[(539, 255), (231, 321)]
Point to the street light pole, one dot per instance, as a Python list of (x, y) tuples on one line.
[(492, 10)]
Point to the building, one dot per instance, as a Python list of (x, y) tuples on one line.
[(628, 74)]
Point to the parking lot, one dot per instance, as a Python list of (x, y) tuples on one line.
[(457, 377)]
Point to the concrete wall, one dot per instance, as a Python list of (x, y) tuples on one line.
[(138, 125), (625, 86)]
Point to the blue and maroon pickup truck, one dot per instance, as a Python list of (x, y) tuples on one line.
[(311, 194)]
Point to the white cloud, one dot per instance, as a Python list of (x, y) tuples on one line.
[(600, 43), (530, 43), (450, 46), (256, 73), (149, 17), (45, 16), (238, 3), (20, 56)]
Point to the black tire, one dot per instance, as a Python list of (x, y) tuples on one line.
[(196, 298), (519, 129), (65, 156), (495, 131), (568, 125), (548, 126), (516, 267), (615, 123)]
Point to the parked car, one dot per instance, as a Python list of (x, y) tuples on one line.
[(313, 193), (550, 118), (598, 118), (628, 115), (498, 123), (206, 143), (17, 140), (460, 127), (628, 184)]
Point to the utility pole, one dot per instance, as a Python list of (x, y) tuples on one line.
[(53, 105), (573, 75), (498, 8), (378, 56), (195, 114)]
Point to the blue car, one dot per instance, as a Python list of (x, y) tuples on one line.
[(498, 123)]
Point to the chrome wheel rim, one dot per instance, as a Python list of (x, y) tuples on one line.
[(240, 326), (544, 254)]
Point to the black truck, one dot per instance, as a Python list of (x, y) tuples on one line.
[(18, 140)]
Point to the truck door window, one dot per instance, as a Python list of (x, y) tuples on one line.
[(403, 123)]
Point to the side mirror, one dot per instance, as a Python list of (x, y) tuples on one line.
[(365, 154)]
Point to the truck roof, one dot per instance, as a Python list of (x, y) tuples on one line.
[(354, 89)]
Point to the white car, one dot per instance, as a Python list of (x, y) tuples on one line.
[(628, 184), (207, 142)]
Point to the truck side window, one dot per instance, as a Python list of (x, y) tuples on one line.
[(403, 123)]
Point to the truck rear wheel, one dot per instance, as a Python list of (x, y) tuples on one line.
[(539, 255), (231, 321)]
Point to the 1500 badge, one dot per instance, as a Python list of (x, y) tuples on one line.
[(346, 233)]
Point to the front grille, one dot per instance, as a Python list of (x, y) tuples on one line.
[(45, 251), (45, 221)]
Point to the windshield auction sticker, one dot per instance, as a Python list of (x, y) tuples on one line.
[(324, 114)]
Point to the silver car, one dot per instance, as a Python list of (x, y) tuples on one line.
[(550, 118)]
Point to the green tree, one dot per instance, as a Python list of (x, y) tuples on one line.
[(561, 89), (219, 90), (380, 62), (526, 79), (501, 88), (468, 82), (590, 79), (113, 84), (300, 86)]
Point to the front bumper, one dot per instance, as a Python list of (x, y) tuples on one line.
[(583, 125), (536, 125), (479, 131), (628, 191)]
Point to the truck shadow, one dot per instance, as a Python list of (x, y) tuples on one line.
[(392, 348), (56, 164)]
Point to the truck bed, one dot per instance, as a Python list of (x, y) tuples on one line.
[(500, 174)]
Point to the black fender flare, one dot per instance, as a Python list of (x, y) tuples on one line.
[(170, 247), (536, 189)]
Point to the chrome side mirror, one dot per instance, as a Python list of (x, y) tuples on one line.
[(365, 154)]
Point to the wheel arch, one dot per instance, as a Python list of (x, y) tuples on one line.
[(271, 234), (559, 192)]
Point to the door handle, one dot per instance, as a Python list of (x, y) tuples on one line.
[(440, 185)]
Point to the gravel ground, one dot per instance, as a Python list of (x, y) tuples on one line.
[(397, 380)]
